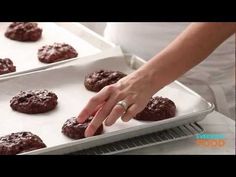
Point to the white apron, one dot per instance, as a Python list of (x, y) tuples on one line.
[(214, 78)]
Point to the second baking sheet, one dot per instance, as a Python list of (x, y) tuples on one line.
[(24, 54)]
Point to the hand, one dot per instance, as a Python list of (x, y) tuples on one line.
[(135, 89)]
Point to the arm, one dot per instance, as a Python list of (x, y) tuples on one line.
[(190, 48), (187, 50)]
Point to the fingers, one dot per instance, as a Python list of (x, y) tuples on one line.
[(93, 104), (93, 125), (131, 112), (96, 109), (90, 130), (116, 112), (100, 116)]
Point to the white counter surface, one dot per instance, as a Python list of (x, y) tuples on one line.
[(214, 123)]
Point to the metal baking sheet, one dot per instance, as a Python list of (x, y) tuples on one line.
[(67, 82), (24, 54)]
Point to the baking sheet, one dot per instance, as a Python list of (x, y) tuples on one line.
[(24, 54), (67, 83)]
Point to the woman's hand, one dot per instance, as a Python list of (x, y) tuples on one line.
[(135, 90)]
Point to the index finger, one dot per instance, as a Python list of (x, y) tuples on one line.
[(93, 104)]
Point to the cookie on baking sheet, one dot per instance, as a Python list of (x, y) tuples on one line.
[(20, 142), (34, 101), (99, 79), (56, 52), (23, 31), (6, 66), (75, 130), (158, 108)]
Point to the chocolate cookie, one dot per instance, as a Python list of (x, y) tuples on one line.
[(34, 101), (24, 31), (56, 52), (6, 66), (99, 79), (158, 108), (20, 142), (75, 130)]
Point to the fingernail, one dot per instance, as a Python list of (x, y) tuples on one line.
[(125, 119), (107, 123), (88, 132)]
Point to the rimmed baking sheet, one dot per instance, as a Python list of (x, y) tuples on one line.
[(24, 54), (67, 83)]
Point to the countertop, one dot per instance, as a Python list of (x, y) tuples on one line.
[(214, 123)]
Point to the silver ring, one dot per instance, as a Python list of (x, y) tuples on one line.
[(123, 104)]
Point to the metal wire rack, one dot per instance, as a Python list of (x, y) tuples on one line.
[(173, 134)]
